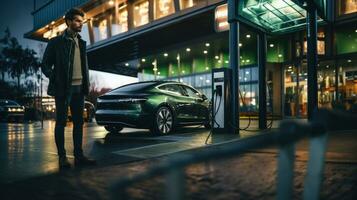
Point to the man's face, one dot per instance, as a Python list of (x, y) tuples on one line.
[(76, 24)]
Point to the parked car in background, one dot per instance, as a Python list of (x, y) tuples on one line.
[(11, 111), (160, 106), (88, 112)]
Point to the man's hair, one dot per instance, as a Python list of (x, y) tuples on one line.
[(73, 12)]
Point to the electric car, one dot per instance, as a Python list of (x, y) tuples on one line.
[(160, 106)]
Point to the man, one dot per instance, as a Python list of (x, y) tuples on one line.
[(65, 64)]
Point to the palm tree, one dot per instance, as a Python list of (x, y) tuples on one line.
[(4, 43)]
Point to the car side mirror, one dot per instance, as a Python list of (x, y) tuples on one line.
[(203, 97)]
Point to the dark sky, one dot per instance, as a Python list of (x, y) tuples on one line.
[(16, 14)]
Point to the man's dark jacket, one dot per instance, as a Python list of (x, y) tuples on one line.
[(57, 65)]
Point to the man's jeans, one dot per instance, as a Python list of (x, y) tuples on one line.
[(76, 103)]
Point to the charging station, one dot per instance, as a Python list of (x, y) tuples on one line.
[(221, 100)]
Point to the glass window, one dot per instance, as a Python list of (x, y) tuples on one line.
[(134, 87), (347, 6), (85, 33), (172, 88), (346, 39), (100, 27), (191, 92), (320, 43), (163, 8), (120, 23), (347, 84), (189, 3), (141, 13)]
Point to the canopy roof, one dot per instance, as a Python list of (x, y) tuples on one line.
[(278, 16)]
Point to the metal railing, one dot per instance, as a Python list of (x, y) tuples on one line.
[(285, 137)]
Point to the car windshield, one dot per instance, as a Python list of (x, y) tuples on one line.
[(8, 103), (134, 87)]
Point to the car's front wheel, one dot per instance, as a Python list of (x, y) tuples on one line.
[(163, 121), (113, 129)]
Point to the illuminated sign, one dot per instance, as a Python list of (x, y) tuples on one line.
[(221, 17)]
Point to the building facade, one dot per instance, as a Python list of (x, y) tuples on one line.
[(184, 40)]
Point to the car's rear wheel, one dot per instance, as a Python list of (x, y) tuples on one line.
[(163, 121), (113, 129)]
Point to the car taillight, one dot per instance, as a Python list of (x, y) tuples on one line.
[(132, 100)]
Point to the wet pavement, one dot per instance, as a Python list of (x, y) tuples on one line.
[(28, 163), (27, 150)]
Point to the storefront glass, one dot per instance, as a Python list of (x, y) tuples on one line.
[(163, 8), (120, 22), (141, 13), (346, 6), (100, 27), (190, 3), (347, 84), (85, 33), (346, 39)]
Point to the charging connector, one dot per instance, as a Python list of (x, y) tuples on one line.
[(219, 91)]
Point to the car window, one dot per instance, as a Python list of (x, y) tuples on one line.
[(134, 87), (191, 92), (8, 103), (172, 88)]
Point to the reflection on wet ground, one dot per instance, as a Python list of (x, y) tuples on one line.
[(27, 150)]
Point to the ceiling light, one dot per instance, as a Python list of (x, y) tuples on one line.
[(158, 73), (240, 44), (248, 36), (207, 44), (216, 57), (271, 45), (226, 61), (165, 54), (205, 52), (349, 60), (280, 55), (126, 64), (188, 49), (143, 60)]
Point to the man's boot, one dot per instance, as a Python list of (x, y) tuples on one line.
[(84, 161), (63, 162)]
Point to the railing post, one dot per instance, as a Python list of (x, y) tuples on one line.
[(286, 171), (315, 167), (175, 184)]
